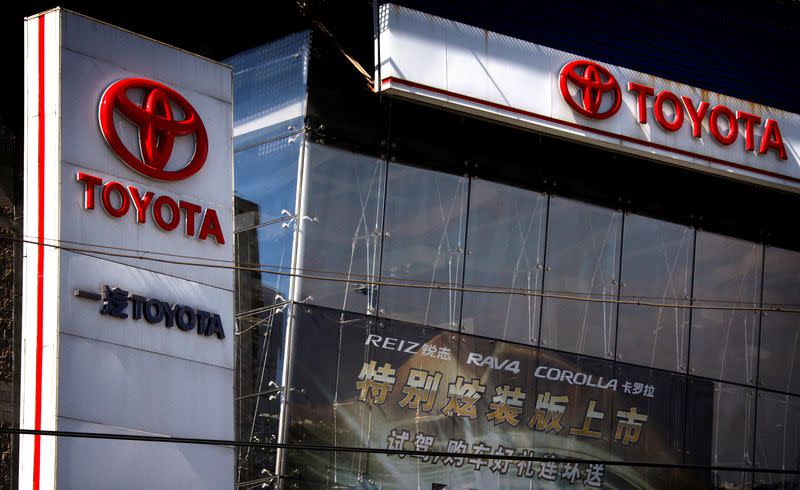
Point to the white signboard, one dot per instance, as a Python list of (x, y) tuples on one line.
[(127, 153), (484, 73)]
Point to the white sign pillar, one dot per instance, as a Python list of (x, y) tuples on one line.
[(128, 156)]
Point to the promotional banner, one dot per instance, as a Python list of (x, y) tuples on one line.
[(369, 383)]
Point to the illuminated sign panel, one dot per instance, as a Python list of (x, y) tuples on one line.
[(518, 82)]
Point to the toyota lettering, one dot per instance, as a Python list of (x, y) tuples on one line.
[(599, 97), (155, 118)]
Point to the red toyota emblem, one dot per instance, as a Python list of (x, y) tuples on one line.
[(593, 81), (157, 125)]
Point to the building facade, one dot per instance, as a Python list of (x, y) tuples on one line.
[(475, 247), (425, 270)]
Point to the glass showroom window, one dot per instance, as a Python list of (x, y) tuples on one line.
[(266, 183), (423, 245), (270, 83), (727, 274), (344, 202), (656, 268), (505, 251), (582, 260), (719, 423), (779, 362), (778, 434)]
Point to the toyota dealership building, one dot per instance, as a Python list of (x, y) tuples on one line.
[(465, 260)]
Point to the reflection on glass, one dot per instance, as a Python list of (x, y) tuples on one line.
[(778, 432), (423, 244), (657, 268), (259, 343), (505, 250), (265, 181), (582, 259), (779, 362), (719, 424), (270, 86), (730, 480), (724, 341), (776, 481), (345, 201), (312, 376), (260, 251), (659, 401), (685, 479)]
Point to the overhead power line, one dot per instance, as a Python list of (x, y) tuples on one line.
[(411, 284), (376, 450)]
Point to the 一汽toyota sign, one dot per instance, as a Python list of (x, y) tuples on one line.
[(128, 192), (547, 90)]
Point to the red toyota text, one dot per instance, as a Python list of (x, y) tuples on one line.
[(684, 108), (118, 200)]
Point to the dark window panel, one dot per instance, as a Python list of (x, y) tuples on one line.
[(657, 268), (582, 259), (724, 341), (505, 251), (425, 222), (778, 432), (344, 200), (720, 421)]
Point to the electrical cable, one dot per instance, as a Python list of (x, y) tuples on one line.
[(586, 297), (349, 277), (376, 450)]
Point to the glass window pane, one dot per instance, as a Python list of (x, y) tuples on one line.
[(423, 244), (270, 86), (724, 341), (684, 479), (656, 268), (344, 199), (660, 397), (781, 277), (778, 432), (265, 181), (779, 363), (779, 359), (776, 481), (582, 259), (505, 250), (263, 250), (719, 424), (259, 358)]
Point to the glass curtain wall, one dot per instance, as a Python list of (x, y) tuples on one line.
[(445, 283), (270, 87), (388, 244)]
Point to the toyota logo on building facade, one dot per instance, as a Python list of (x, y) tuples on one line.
[(162, 116), (594, 82), (158, 128)]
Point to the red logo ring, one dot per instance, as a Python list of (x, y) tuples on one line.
[(593, 83), (157, 128)]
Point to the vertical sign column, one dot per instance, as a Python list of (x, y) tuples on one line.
[(127, 293)]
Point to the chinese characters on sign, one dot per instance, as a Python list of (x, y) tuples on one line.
[(507, 404), (116, 302), (590, 475)]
